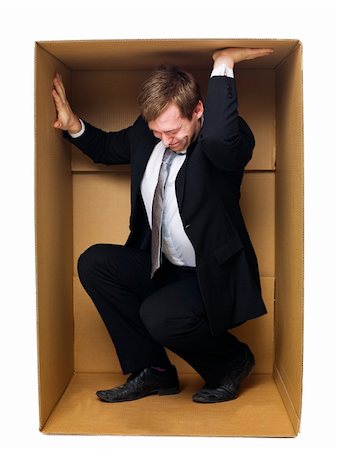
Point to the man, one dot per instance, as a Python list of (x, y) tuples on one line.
[(188, 272)]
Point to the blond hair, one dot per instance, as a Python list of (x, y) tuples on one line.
[(168, 84)]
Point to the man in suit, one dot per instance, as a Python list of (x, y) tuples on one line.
[(188, 272)]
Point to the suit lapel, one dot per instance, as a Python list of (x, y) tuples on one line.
[(181, 177), (144, 150), (180, 184)]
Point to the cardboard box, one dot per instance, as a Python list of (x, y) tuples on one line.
[(76, 356)]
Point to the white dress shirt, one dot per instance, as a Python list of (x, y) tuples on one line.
[(177, 247), (175, 244)]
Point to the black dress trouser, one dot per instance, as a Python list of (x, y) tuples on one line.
[(143, 316)]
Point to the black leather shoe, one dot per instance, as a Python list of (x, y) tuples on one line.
[(228, 388), (141, 384)]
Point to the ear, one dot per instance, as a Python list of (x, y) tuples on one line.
[(199, 109)]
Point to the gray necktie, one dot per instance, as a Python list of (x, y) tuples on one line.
[(158, 209)]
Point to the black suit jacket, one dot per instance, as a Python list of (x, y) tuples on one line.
[(208, 194)]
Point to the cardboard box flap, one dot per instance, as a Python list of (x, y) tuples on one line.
[(54, 242), (289, 229), (140, 54)]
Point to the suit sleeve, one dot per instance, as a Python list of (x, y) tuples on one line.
[(226, 139), (104, 147)]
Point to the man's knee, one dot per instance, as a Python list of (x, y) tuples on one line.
[(93, 260), (87, 261)]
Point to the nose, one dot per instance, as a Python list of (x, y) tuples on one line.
[(167, 140)]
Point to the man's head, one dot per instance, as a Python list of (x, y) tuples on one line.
[(170, 102)]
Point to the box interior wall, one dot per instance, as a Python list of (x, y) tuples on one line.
[(79, 203)]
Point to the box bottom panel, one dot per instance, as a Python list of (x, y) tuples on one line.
[(257, 412)]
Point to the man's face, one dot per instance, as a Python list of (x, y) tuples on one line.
[(175, 131)]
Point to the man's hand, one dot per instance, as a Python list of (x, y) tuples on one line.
[(233, 55), (66, 119)]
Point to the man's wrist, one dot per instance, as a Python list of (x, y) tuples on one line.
[(223, 59), (77, 131), (222, 70)]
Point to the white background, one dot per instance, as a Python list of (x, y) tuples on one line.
[(22, 23)]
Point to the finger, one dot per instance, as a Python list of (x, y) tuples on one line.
[(60, 87), (265, 51), (58, 76), (258, 52), (60, 106), (57, 99)]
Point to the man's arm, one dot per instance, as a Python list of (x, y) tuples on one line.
[(231, 56), (227, 140), (101, 146)]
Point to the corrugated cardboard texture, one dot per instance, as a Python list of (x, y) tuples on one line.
[(143, 54), (53, 242), (258, 210), (92, 202), (289, 230), (259, 411), (257, 87)]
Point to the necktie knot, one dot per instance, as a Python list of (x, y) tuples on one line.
[(168, 156)]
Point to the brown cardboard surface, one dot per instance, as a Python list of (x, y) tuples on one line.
[(101, 210), (53, 243), (79, 204), (256, 92), (94, 351), (258, 209), (140, 54), (258, 411), (289, 229)]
